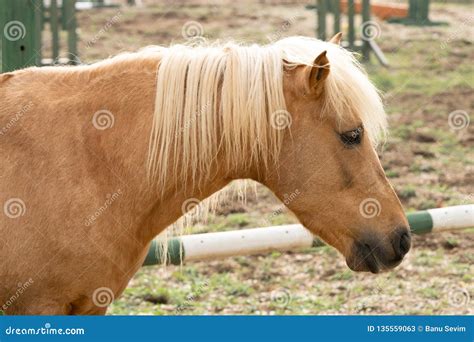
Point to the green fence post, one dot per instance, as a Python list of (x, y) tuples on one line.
[(337, 17), (20, 25), (418, 14), (322, 11), (350, 22), (69, 22), (365, 19), (413, 9), (53, 24), (38, 34), (43, 14), (423, 10)]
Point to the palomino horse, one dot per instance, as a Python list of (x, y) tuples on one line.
[(99, 159)]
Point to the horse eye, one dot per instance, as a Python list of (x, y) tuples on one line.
[(352, 138)]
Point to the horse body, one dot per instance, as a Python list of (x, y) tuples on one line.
[(62, 168), (79, 209)]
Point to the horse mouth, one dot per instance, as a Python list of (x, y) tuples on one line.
[(364, 259), (371, 261)]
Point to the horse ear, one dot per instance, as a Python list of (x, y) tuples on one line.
[(319, 71), (336, 39)]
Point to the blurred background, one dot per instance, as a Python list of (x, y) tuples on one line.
[(428, 156)]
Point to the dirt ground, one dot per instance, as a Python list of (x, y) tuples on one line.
[(428, 158)]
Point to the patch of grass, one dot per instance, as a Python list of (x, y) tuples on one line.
[(239, 219), (344, 275), (407, 192), (427, 204), (430, 292), (283, 218), (403, 132), (392, 174)]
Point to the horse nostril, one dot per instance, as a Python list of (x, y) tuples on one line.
[(404, 243), (401, 242)]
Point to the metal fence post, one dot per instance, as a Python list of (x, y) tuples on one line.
[(20, 25)]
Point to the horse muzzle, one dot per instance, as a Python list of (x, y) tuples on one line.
[(375, 255)]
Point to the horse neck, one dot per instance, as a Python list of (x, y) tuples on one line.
[(131, 87), (169, 205)]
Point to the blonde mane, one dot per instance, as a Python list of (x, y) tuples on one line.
[(221, 99)]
